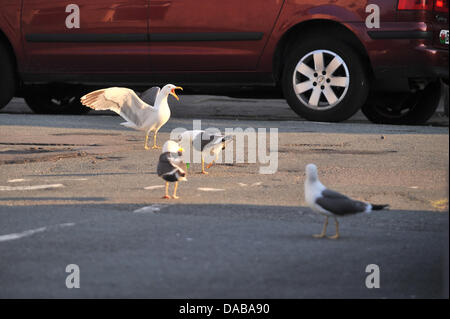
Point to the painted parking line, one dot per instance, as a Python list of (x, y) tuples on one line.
[(208, 189), (17, 180), (29, 187), (154, 187), (150, 209), (30, 232)]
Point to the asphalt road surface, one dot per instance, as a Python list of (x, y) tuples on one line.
[(82, 190)]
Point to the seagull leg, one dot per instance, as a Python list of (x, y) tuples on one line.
[(146, 141), (175, 191), (210, 164), (324, 230), (167, 191), (154, 140), (337, 230), (203, 167)]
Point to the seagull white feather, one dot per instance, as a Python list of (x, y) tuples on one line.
[(138, 114), (330, 203), (206, 143)]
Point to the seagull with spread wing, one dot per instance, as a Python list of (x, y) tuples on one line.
[(137, 113), (330, 203), (206, 143)]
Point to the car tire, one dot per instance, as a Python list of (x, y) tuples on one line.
[(411, 108), (7, 77), (49, 102), (317, 96)]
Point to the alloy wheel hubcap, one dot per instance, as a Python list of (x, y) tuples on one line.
[(321, 80)]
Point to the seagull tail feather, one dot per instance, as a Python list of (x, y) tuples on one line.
[(129, 124), (379, 207)]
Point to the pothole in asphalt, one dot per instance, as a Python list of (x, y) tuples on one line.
[(25, 151), (23, 156), (86, 134), (349, 152), (335, 151), (47, 144)]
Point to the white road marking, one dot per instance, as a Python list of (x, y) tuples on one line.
[(150, 209), (252, 185), (29, 188), (17, 180), (207, 189), (154, 187), (30, 232), (67, 179)]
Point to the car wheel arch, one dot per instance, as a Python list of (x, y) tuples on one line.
[(6, 43), (310, 27), (8, 68)]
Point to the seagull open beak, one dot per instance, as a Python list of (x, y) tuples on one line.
[(172, 92)]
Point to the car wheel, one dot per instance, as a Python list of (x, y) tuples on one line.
[(7, 77), (46, 102), (324, 80), (413, 108)]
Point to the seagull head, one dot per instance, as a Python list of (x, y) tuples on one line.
[(172, 147), (226, 140), (311, 173), (170, 89)]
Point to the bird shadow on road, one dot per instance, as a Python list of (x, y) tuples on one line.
[(76, 199), (89, 174), (111, 123), (235, 246)]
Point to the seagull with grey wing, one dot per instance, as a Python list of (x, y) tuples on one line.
[(138, 114), (171, 167), (330, 203), (206, 143)]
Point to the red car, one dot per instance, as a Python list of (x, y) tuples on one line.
[(326, 56)]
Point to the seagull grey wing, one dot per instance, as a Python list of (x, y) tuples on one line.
[(339, 204), (164, 164), (329, 193), (149, 96), (200, 141), (177, 162), (227, 138)]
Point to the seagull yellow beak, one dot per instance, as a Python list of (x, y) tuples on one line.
[(181, 150), (172, 92)]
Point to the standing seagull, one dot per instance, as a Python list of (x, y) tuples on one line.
[(205, 143), (171, 167), (138, 114), (330, 203)]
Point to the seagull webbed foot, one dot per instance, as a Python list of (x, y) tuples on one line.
[(156, 147), (205, 173), (166, 197), (319, 236), (334, 236)]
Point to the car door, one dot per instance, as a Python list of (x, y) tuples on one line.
[(111, 36), (209, 35)]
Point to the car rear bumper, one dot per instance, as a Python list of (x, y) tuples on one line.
[(419, 62), (407, 49)]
